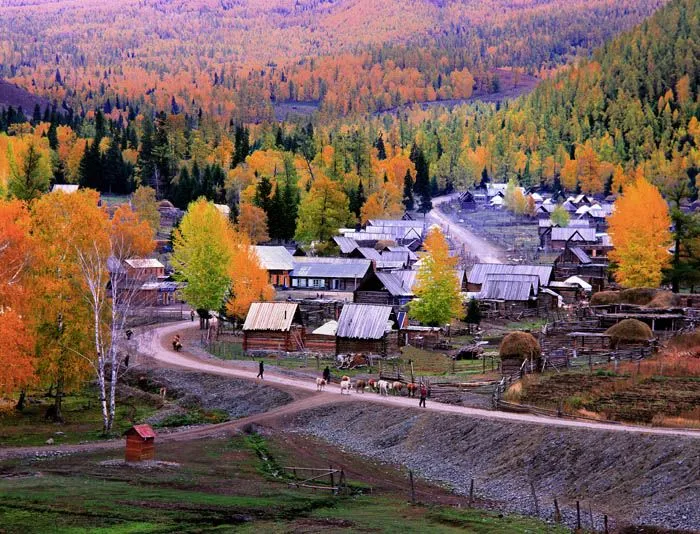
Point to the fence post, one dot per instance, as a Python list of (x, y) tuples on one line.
[(605, 523), (557, 512), (471, 492), (330, 469), (578, 515), (413, 487)]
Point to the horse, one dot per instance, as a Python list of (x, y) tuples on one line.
[(383, 386), (411, 387), (397, 387), (345, 385), (320, 384), (360, 386)]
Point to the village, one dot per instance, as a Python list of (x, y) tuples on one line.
[(349, 312)]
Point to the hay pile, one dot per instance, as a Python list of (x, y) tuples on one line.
[(519, 346), (664, 299), (629, 331), (603, 298), (641, 296)]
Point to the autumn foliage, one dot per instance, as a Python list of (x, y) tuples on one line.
[(640, 232)]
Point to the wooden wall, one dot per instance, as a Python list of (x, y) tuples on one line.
[(265, 340)]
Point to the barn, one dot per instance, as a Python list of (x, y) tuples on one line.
[(273, 326), (366, 328)]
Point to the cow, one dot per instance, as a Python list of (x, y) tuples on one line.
[(345, 385), (320, 384), (396, 387), (411, 388), (360, 386), (372, 383), (383, 386)]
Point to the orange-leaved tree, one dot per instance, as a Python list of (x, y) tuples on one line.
[(249, 281), (639, 228), (17, 355), (252, 221), (437, 290)]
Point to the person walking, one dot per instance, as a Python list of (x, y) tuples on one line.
[(423, 395), (261, 370), (327, 375), (192, 315)]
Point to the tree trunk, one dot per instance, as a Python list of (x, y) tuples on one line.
[(20, 402)]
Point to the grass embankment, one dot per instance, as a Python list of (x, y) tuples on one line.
[(216, 485), (82, 419)]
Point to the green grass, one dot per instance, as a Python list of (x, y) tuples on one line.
[(220, 485), (82, 416)]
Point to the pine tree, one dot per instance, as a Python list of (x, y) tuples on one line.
[(381, 149), (90, 169), (115, 177), (408, 201)]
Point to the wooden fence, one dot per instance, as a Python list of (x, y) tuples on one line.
[(315, 478)]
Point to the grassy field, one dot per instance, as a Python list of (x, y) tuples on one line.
[(82, 416), (214, 486)]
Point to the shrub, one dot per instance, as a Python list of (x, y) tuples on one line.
[(629, 331), (519, 346)]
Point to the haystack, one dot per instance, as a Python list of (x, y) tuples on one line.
[(519, 346), (641, 296), (664, 299), (629, 331), (603, 298)]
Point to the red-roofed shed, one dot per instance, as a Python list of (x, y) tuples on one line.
[(140, 443)]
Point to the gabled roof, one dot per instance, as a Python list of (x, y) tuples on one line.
[(271, 316), (403, 223), (574, 234), (274, 258), (143, 431), (323, 268), (364, 321), (395, 285), (368, 253), (345, 244), (510, 287), (411, 255), (480, 271), (144, 263)]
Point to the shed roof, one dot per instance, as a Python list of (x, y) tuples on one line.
[(274, 258), (144, 263), (143, 431), (271, 316), (510, 287), (364, 321), (345, 244), (345, 268), (480, 271)]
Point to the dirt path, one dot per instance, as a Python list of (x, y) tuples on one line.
[(486, 251), (155, 346)]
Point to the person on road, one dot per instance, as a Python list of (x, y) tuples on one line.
[(327, 375), (423, 395), (192, 315), (261, 370)]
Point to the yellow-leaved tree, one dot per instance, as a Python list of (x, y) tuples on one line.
[(437, 290), (640, 232)]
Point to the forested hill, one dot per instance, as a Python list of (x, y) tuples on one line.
[(633, 108)]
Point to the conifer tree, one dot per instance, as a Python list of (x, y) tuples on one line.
[(408, 201)]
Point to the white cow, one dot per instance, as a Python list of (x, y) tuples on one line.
[(345, 386), (320, 384), (383, 386)]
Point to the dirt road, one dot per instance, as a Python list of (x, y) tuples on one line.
[(155, 345), (486, 252)]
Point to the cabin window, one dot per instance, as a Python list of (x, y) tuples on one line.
[(295, 282), (335, 284)]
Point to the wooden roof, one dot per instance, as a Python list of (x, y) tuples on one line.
[(364, 321), (510, 287), (271, 316), (480, 271), (143, 431)]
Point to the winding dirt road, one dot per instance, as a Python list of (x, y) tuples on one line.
[(486, 251), (156, 347)]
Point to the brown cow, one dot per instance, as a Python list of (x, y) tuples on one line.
[(412, 388), (397, 387), (360, 386), (372, 383)]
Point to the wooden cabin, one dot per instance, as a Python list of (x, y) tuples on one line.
[(329, 274), (467, 201), (140, 443), (382, 288), (273, 326), (366, 328), (278, 263), (479, 272)]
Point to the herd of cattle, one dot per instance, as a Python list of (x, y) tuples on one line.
[(383, 387)]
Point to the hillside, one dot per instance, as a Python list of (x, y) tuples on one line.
[(234, 58)]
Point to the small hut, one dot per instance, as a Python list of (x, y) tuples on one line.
[(630, 332), (367, 329), (272, 326), (140, 443), (516, 348)]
